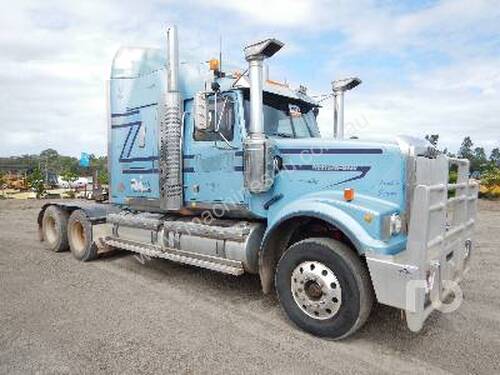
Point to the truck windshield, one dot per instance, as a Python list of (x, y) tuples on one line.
[(286, 118)]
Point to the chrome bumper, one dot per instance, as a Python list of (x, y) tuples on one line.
[(439, 245)]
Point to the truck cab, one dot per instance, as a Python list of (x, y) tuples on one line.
[(228, 171)]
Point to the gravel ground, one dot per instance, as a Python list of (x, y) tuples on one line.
[(116, 315)]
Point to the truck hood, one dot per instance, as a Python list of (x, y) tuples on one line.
[(406, 144), (372, 168)]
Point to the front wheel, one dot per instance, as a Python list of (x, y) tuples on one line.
[(324, 288)]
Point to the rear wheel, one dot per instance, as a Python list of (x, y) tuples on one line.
[(54, 227), (324, 288), (80, 236)]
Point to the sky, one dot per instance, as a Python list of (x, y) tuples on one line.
[(428, 67)]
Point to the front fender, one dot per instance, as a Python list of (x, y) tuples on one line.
[(331, 208), (360, 220)]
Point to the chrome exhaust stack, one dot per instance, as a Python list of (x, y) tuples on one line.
[(170, 131), (173, 59), (339, 87), (258, 163)]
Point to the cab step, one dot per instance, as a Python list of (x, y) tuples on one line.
[(231, 267)]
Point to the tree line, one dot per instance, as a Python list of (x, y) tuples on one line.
[(49, 163), (482, 167), (480, 163)]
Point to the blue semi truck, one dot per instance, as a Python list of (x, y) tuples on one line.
[(228, 171)]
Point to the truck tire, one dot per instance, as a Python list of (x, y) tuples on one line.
[(54, 229), (80, 238), (324, 288)]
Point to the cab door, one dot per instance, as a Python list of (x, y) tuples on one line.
[(213, 160)]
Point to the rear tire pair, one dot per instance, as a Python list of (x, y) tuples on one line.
[(324, 288), (62, 230)]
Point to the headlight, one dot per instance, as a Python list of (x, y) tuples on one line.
[(391, 226), (395, 224)]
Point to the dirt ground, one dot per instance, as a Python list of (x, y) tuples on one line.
[(115, 315)]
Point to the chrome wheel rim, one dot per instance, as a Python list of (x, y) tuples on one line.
[(316, 290)]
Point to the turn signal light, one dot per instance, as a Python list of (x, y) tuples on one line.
[(348, 194)]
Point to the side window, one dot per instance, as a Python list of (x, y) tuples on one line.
[(277, 122), (299, 122), (300, 126), (225, 119)]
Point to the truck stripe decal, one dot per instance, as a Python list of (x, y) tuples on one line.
[(140, 171), (313, 168), (125, 144), (126, 125), (141, 158), (128, 113), (129, 109), (192, 156), (133, 139), (319, 151), (238, 168)]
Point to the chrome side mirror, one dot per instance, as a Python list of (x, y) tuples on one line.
[(206, 117)]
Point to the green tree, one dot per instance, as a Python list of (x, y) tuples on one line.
[(36, 182), (49, 154), (465, 150), (103, 178), (479, 160), (495, 156), (66, 163), (100, 164), (433, 139), (69, 176), (49, 158)]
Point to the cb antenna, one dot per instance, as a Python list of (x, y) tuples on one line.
[(220, 53)]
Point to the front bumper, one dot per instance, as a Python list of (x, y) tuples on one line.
[(440, 243)]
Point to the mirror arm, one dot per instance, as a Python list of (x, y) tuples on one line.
[(226, 142), (216, 121)]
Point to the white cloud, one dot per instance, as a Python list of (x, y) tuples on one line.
[(367, 24), (56, 57), (54, 64), (457, 101), (278, 12)]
